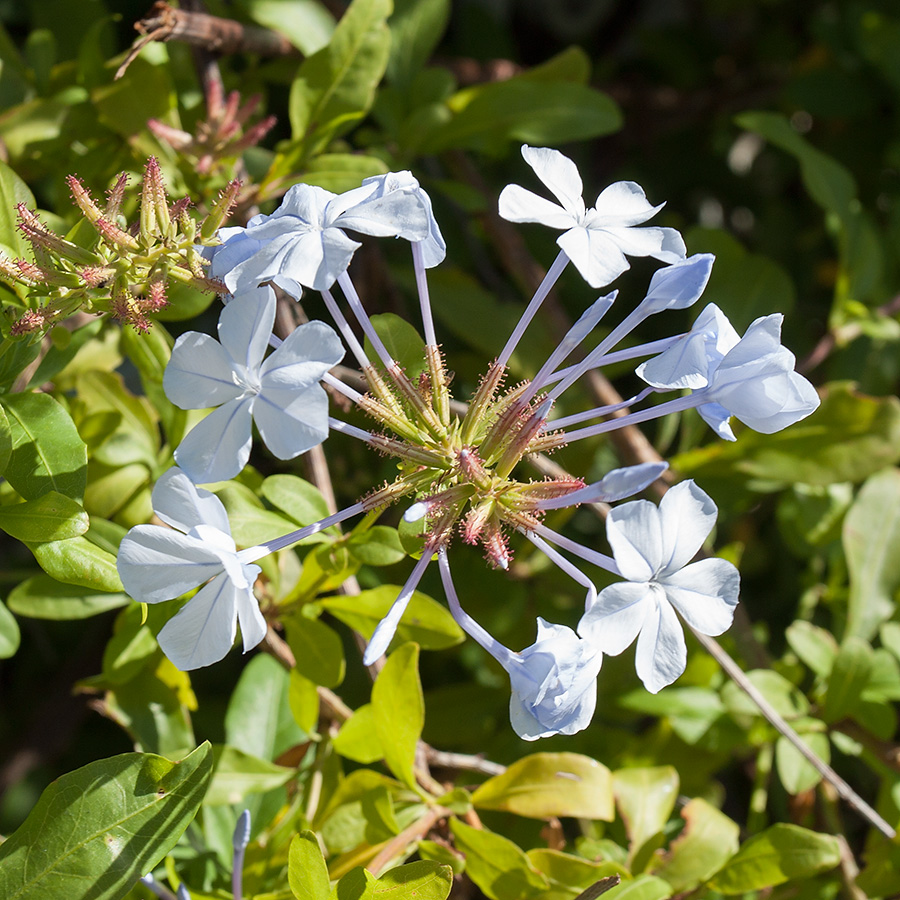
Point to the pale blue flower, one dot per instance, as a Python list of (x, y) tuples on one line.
[(751, 378), (653, 547), (303, 241), (158, 564), (281, 393), (597, 240)]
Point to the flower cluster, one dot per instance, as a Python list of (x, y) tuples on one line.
[(459, 474), (126, 269)]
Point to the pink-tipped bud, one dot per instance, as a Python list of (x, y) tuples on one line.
[(254, 134), (126, 311), (29, 271), (114, 197), (215, 94), (247, 110), (221, 210), (83, 199), (477, 519), (156, 298), (154, 203), (232, 105), (496, 549), (96, 276), (472, 468), (112, 234), (30, 321), (174, 137), (42, 238)]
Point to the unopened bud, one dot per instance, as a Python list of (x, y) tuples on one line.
[(114, 197), (83, 199), (221, 210), (154, 203), (112, 234)]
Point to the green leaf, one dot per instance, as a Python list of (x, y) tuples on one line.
[(709, 838), (496, 864), (488, 117), (781, 694), (145, 91), (251, 523), (379, 546), (646, 798), (570, 875), (334, 88), (776, 855), (258, 720), (58, 358), (829, 183), (340, 172), (12, 192), (358, 739), (47, 451), (6, 444), (399, 711), (307, 24), (796, 774), (848, 678), (420, 880), (317, 649), (551, 784), (425, 621), (9, 633), (303, 700), (237, 774), (743, 285), (403, 342), (78, 561), (644, 887), (101, 827), (815, 646), (53, 517), (307, 872), (297, 498), (43, 597), (872, 545), (416, 29)]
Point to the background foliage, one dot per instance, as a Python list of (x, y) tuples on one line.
[(771, 129)]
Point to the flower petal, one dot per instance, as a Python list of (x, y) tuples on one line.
[(595, 254), (245, 326), (683, 365), (617, 616), (253, 624), (218, 447), (560, 174), (661, 652), (199, 373), (623, 203), (203, 632), (304, 357), (705, 593), (665, 244), (157, 564), (716, 416), (687, 516), (179, 503), (519, 205), (290, 423), (679, 285), (633, 531)]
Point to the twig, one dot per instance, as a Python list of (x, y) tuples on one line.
[(443, 759), (224, 36), (414, 832), (734, 671)]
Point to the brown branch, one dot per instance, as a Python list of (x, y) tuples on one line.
[(224, 36), (397, 844)]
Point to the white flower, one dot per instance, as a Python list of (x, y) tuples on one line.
[(653, 547), (281, 394), (303, 241), (157, 564), (751, 378), (434, 248), (554, 683), (596, 240)]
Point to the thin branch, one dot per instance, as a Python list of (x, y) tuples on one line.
[(414, 832), (443, 759), (770, 714), (224, 36)]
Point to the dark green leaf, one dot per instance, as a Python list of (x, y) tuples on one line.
[(101, 827), (815, 646), (12, 192), (403, 342), (379, 546), (47, 451), (9, 633), (848, 678), (416, 29)]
